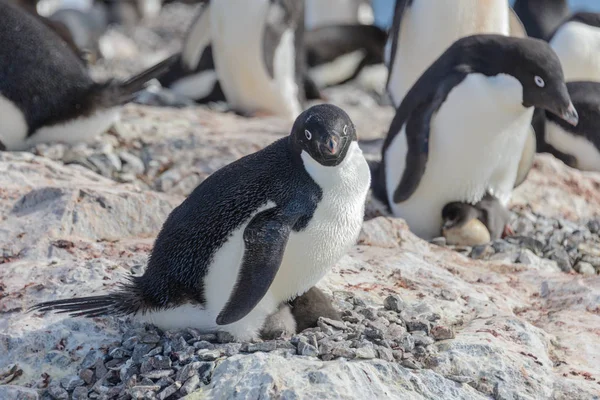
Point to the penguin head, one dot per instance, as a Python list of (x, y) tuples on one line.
[(457, 214), (325, 132), (539, 70)]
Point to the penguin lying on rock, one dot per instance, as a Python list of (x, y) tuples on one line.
[(256, 233), (46, 92), (460, 131)]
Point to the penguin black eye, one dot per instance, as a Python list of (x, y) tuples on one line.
[(307, 134), (539, 81), (345, 131)]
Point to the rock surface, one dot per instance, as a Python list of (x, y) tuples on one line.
[(420, 321)]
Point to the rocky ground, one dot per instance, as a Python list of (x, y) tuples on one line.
[(516, 319)]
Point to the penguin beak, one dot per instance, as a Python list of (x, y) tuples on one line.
[(570, 115), (332, 145)]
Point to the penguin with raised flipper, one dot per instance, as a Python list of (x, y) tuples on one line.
[(255, 234), (46, 92), (461, 129)]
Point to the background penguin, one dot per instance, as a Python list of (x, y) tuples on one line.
[(460, 130), (257, 46), (474, 224), (333, 12), (337, 54), (578, 146), (541, 17), (577, 43), (56, 100), (248, 238)]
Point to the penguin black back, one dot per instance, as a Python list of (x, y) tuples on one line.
[(541, 17)]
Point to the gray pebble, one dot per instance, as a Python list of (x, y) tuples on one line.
[(161, 362), (368, 313), (394, 303), (324, 347), (190, 385), (230, 349), (262, 346), (561, 257), (142, 392), (449, 294), (352, 316), (366, 352), (187, 371), (164, 382), (440, 332), (585, 268), (87, 375), (421, 339), (140, 351), (90, 359), (407, 342), (439, 241), (150, 337), (343, 352), (203, 344), (373, 333), (482, 252), (305, 349), (385, 354), (71, 382), (208, 355), (169, 391), (101, 370), (398, 354), (339, 325), (80, 393), (224, 337), (417, 324), (411, 363), (57, 392), (160, 373), (186, 354)]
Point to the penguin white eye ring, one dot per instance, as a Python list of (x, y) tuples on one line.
[(345, 130), (307, 134), (539, 81)]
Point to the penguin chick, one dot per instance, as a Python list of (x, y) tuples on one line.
[(279, 324), (313, 304), (56, 100), (253, 235)]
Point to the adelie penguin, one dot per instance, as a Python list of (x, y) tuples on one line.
[(257, 49), (253, 235), (541, 17), (423, 29), (577, 43), (461, 128), (46, 92), (577, 146)]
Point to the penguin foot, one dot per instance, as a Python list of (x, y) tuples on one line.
[(508, 231), (313, 304), (280, 324)]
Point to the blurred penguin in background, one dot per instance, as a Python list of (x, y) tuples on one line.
[(541, 17), (334, 12)]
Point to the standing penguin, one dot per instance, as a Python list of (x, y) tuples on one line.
[(577, 43), (460, 130), (541, 17), (46, 93), (321, 13), (578, 146), (254, 234), (257, 47)]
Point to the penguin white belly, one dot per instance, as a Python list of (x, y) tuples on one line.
[(79, 130), (13, 128), (578, 48), (237, 30), (429, 27), (308, 256), (333, 229), (196, 86), (337, 70), (476, 141), (587, 155)]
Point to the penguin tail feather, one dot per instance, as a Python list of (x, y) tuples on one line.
[(116, 93), (125, 301)]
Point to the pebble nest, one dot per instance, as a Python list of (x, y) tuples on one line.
[(541, 241), (150, 364)]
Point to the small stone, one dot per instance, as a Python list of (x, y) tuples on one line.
[(205, 372), (155, 351), (394, 331), (339, 325), (448, 294), (594, 226), (358, 302), (407, 342), (203, 344), (421, 339), (159, 373), (439, 241), (374, 333), (150, 338), (502, 246), (305, 349), (368, 313), (164, 382), (87, 375), (385, 354), (224, 337), (411, 363), (169, 391), (440, 332), (509, 257), (146, 366), (561, 257), (120, 352), (366, 352), (418, 324), (460, 378), (101, 369), (343, 352), (352, 316), (394, 303), (142, 392), (161, 362), (58, 393), (128, 370), (190, 385), (186, 354), (90, 359), (146, 382), (230, 349), (585, 268), (140, 351), (326, 347), (80, 393), (71, 382), (482, 252), (261, 346), (188, 371), (398, 354), (326, 329)]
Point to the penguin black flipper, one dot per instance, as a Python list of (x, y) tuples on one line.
[(395, 33), (417, 118), (265, 239)]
